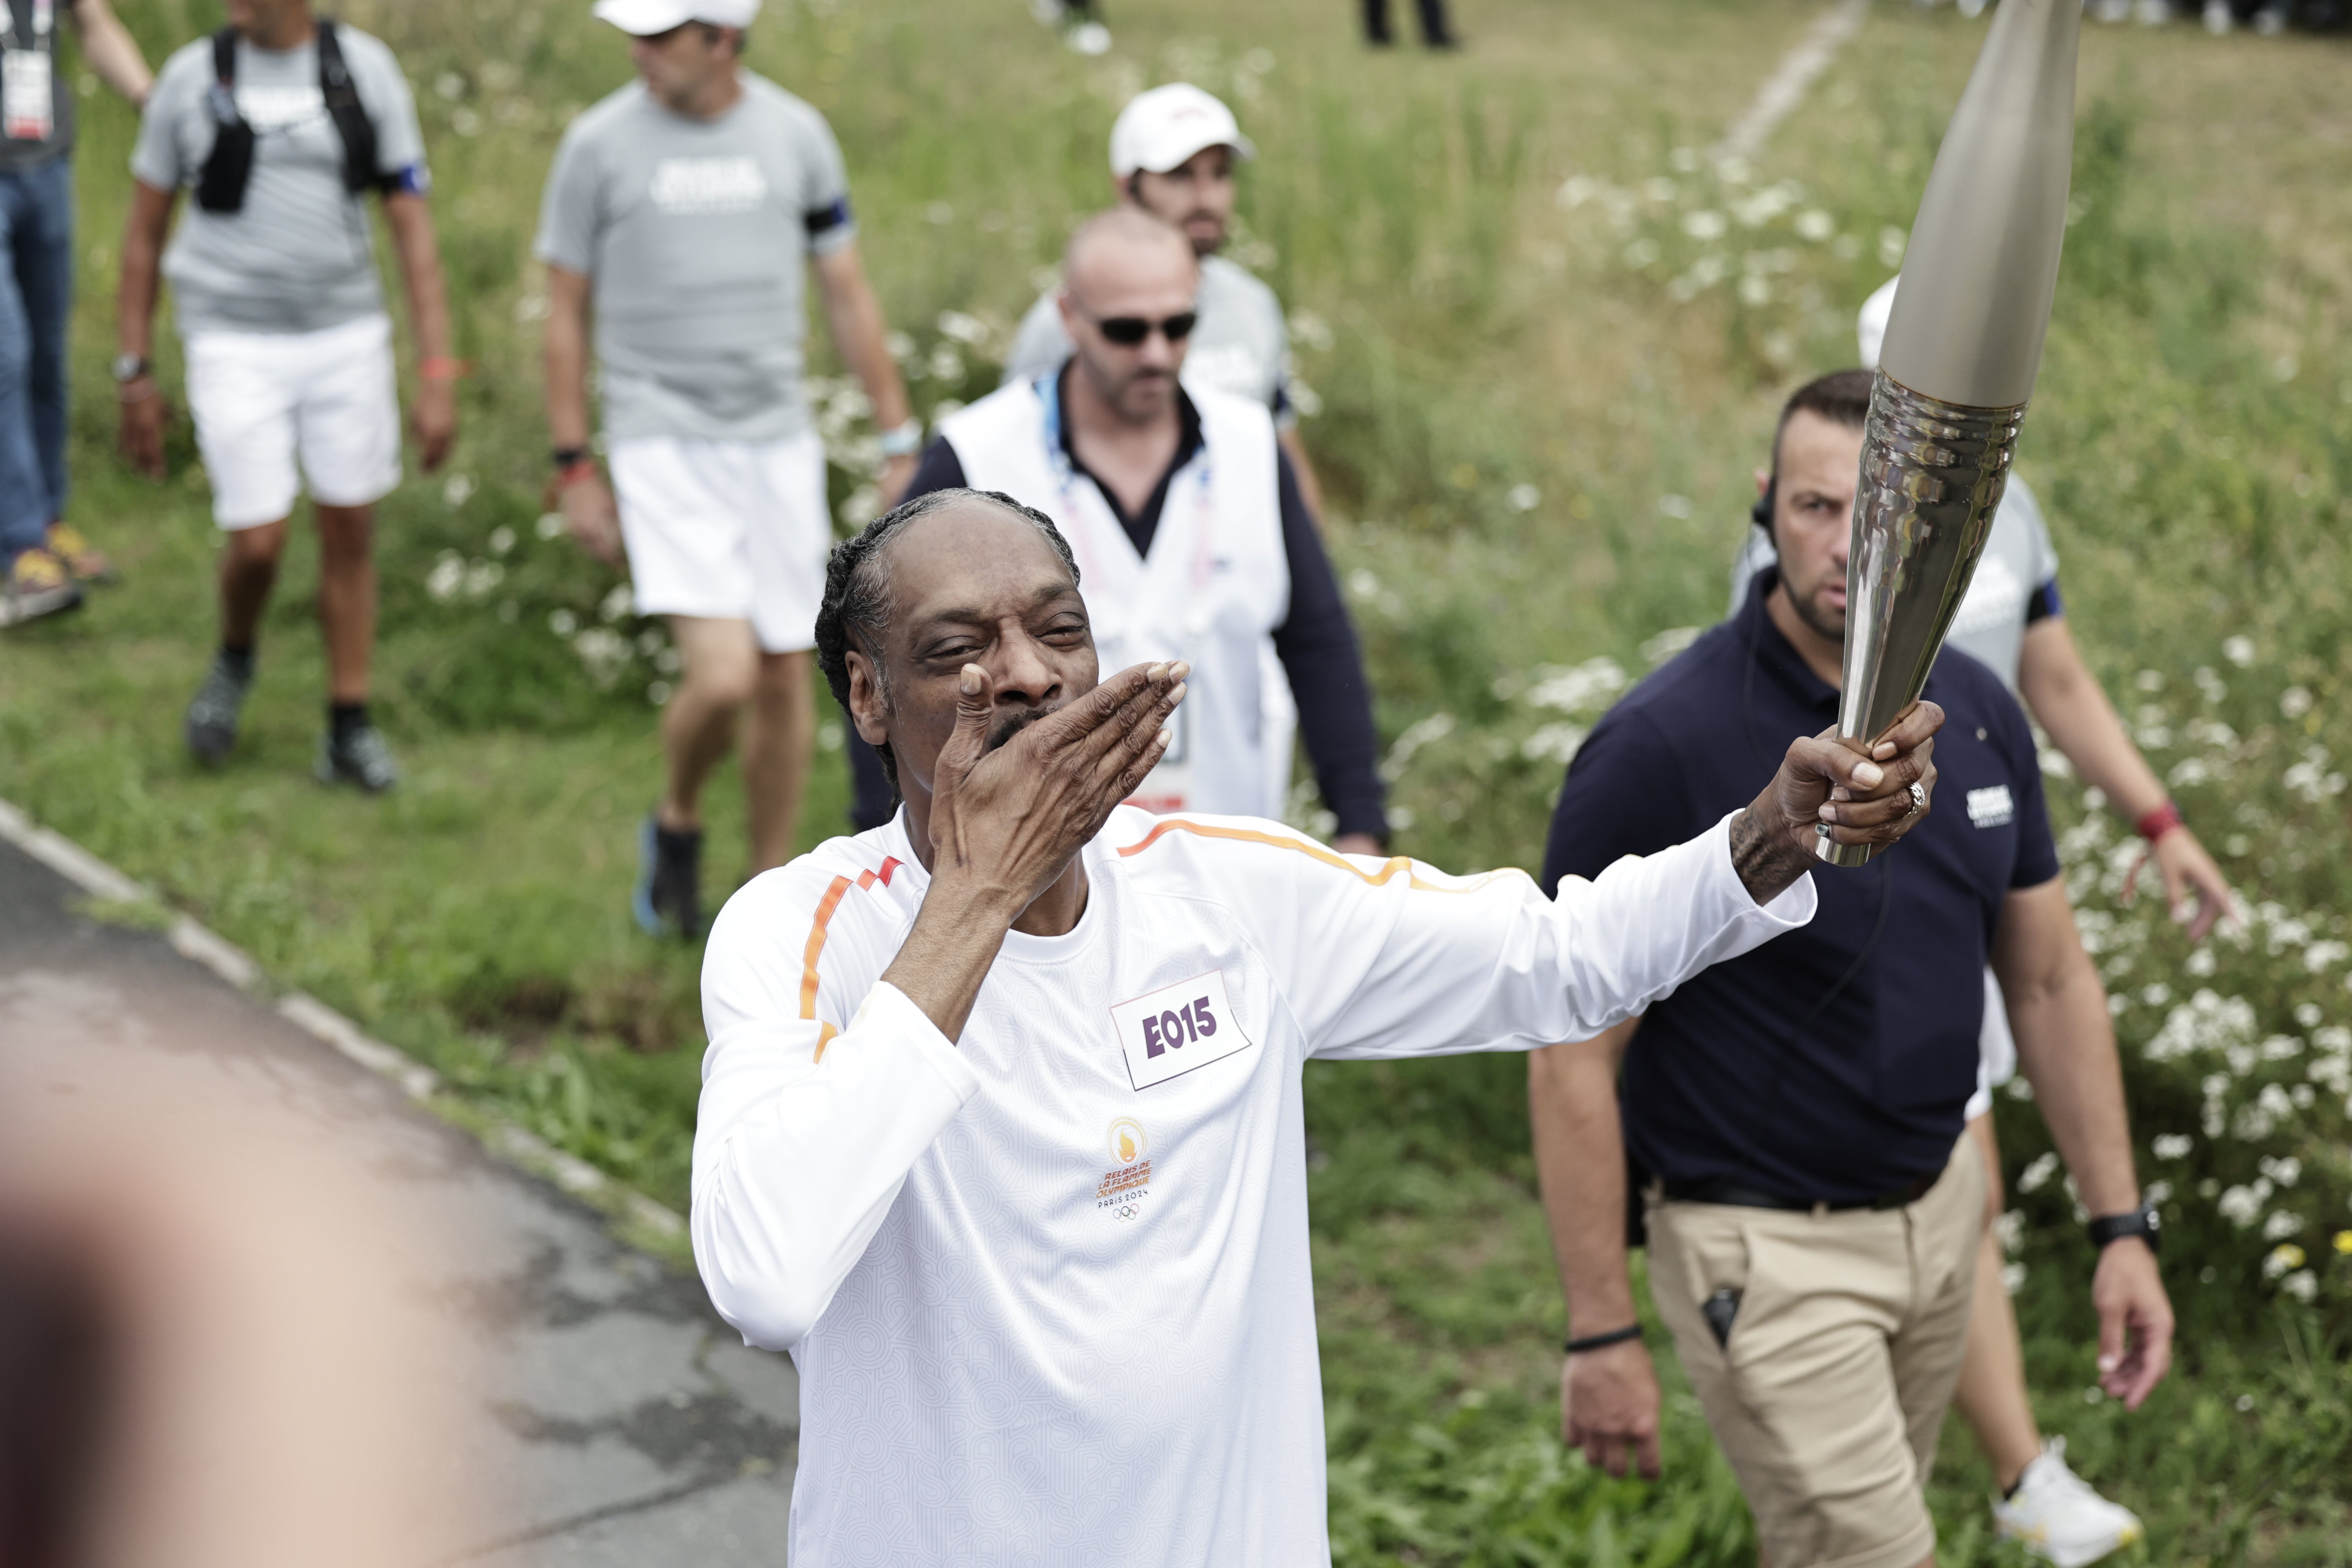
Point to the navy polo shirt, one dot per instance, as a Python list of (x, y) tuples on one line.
[(1833, 1063)]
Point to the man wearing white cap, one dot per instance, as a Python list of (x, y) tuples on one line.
[(679, 208), (2013, 620)]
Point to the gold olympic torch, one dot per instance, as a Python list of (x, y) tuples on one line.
[(1958, 365)]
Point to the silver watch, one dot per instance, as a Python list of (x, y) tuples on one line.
[(905, 441), (128, 368)]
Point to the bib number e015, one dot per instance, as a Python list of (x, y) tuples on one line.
[(1177, 1029)]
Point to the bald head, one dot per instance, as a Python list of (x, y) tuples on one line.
[(1122, 243)]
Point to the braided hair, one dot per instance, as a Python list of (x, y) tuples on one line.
[(857, 602)]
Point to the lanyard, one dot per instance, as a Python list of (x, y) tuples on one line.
[(1065, 478)]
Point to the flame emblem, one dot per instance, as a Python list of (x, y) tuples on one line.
[(1127, 1141)]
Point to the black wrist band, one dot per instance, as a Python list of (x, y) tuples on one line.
[(1602, 1341), (567, 456)]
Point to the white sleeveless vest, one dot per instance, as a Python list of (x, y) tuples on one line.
[(1211, 591)]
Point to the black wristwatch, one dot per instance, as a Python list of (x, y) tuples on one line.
[(2143, 1222), (565, 457)]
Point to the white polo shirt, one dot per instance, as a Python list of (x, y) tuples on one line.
[(1048, 1286)]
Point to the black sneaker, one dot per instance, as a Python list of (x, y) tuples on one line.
[(213, 716), (360, 758), (668, 898)]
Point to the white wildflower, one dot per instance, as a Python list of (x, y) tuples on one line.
[(2242, 1205), (2302, 1285), (1524, 498), (2284, 1170), (2307, 1013), (2035, 1176), (483, 576), (1815, 226), (2294, 701), (2282, 1223), (457, 488), (968, 329), (2239, 650), (1578, 689), (1675, 505), (447, 575), (1554, 743), (562, 623), (502, 539), (550, 525), (615, 604), (2012, 1276), (2280, 1259), (2172, 1145), (2159, 1191)]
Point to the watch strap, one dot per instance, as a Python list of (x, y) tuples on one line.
[(2142, 1222)]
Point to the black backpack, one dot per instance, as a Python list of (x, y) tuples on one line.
[(220, 188)]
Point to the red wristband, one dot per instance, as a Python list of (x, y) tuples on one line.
[(2160, 821), (442, 369), (573, 473)]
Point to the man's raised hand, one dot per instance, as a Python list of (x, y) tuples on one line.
[(1007, 820), (1824, 782)]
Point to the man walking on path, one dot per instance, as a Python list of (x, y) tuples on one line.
[(677, 214), (1814, 1205), (43, 558), (1191, 534), (282, 123)]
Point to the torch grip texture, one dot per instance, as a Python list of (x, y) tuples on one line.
[(1932, 477)]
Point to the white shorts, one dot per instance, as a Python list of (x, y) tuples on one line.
[(1996, 1050), (734, 531), (261, 400)]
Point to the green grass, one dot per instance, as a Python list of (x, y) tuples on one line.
[(1544, 378)]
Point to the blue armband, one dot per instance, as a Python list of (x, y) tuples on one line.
[(415, 180)]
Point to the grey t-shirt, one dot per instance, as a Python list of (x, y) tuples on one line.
[(299, 257), (20, 152), (1241, 344), (2017, 574), (694, 233)]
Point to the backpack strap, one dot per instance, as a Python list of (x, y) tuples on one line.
[(343, 106), (220, 186)]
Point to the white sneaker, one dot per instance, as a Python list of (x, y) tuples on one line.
[(2059, 1518)]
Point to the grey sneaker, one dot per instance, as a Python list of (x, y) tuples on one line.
[(363, 759), (213, 716), (36, 584)]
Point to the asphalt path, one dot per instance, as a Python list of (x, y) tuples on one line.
[(617, 1420)]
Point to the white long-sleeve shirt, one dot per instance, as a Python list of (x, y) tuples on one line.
[(1048, 1286)]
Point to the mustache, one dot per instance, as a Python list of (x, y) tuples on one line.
[(1012, 723)]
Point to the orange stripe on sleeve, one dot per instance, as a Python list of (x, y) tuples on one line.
[(826, 907), (1391, 869)]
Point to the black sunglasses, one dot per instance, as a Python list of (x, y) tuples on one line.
[(1127, 332)]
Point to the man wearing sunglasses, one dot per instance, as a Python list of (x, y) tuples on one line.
[(1192, 538)]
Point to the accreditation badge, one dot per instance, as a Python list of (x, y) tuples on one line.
[(27, 112)]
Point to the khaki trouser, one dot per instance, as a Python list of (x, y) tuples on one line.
[(1830, 1390)]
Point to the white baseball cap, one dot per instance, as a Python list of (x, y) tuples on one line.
[(644, 18), (1160, 129), (1870, 328)]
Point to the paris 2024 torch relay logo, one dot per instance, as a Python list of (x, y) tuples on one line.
[(1122, 1190)]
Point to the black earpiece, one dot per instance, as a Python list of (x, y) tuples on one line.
[(1761, 512)]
